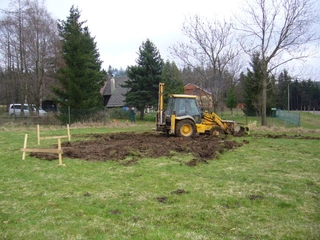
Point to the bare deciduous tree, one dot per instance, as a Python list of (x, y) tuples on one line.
[(28, 49), (210, 51), (41, 44), (281, 31), (12, 49)]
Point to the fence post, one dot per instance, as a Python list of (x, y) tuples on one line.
[(59, 149), (24, 146), (38, 134), (68, 129)]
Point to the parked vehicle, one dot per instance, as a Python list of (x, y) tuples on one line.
[(28, 109)]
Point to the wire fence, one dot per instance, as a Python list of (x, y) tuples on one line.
[(289, 117), (101, 116), (94, 115)]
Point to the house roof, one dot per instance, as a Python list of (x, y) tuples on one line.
[(191, 86), (113, 89)]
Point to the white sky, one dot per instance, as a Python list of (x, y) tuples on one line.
[(120, 26)]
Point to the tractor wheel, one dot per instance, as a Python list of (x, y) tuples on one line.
[(185, 128), (216, 131)]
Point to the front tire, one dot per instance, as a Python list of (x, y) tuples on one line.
[(185, 128), (216, 131)]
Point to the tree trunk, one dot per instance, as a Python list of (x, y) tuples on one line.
[(141, 113), (264, 97)]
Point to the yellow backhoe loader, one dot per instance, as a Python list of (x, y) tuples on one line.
[(184, 118)]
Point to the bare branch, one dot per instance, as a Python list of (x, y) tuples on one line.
[(282, 30), (211, 51)]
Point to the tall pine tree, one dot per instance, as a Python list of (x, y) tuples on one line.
[(231, 100), (172, 79), (81, 77), (283, 90), (253, 87), (144, 78)]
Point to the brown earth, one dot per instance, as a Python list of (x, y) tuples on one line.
[(134, 146)]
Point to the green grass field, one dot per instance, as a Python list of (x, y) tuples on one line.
[(267, 189)]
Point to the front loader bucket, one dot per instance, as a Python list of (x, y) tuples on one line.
[(239, 130)]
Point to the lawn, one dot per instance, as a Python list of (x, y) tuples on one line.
[(266, 189)]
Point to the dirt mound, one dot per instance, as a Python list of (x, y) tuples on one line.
[(285, 136), (134, 146)]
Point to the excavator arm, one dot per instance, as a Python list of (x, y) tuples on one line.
[(214, 119)]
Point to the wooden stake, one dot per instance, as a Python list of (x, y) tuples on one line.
[(53, 137), (38, 134), (60, 153), (44, 150), (25, 146), (69, 137)]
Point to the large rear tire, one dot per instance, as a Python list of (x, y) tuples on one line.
[(185, 128)]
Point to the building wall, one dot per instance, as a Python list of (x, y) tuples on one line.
[(204, 97)]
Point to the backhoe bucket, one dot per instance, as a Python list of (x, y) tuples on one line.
[(239, 130)]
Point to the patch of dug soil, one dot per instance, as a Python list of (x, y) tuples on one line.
[(119, 146), (281, 136)]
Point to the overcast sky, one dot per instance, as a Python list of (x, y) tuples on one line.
[(120, 26)]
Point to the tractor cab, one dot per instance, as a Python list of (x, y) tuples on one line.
[(181, 117), (183, 106)]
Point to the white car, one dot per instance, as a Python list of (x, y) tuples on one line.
[(15, 110)]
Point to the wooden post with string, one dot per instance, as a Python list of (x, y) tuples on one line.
[(58, 151), (53, 137), (24, 146)]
